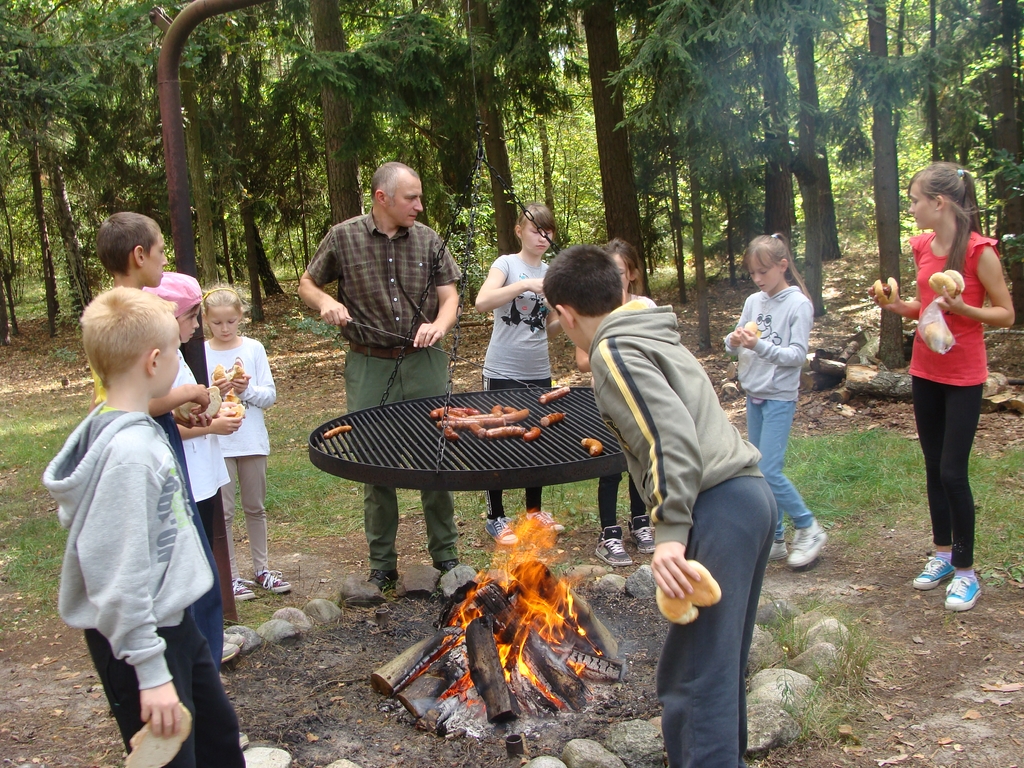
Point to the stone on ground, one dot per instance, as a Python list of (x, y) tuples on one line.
[(764, 651), (805, 621), (829, 631), (585, 573), (295, 617), (779, 688), (279, 632), (640, 583), (267, 757), (456, 579), (772, 612), (769, 727), (584, 753), (609, 584), (357, 591), (544, 761), (637, 743), (418, 581), (343, 764), (818, 660), (252, 639), (323, 610)]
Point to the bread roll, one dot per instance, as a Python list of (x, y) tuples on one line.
[(937, 337), (951, 280), (183, 411), (881, 294), (149, 751), (684, 610), (752, 328)]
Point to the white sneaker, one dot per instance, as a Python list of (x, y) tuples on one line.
[(779, 551), (807, 543), (545, 519), (273, 581), (242, 590)]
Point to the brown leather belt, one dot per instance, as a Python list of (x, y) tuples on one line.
[(389, 353)]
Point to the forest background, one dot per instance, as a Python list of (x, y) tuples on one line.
[(685, 127)]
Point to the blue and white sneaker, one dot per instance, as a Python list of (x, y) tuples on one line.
[(935, 572), (962, 593)]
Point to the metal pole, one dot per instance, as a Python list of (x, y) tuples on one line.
[(176, 34)]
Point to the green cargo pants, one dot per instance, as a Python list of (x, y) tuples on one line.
[(422, 374)]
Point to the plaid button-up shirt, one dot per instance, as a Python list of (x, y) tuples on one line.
[(381, 279)]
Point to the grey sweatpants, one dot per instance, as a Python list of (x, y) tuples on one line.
[(701, 673)]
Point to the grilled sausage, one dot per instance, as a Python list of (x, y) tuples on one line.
[(484, 421), (506, 432), (451, 434), (508, 409), (531, 434), (593, 446), (551, 418), (554, 394), (497, 410), (477, 430), (437, 413), (337, 431), (516, 416)]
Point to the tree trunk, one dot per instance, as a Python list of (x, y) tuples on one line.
[(778, 179), (343, 187), (618, 184), (703, 316), (730, 247), (49, 278), (225, 246), (1003, 21), (677, 222), (78, 276), (265, 269), (890, 347), (830, 250), (5, 326), (546, 167), (206, 263), (505, 213), (7, 264), (806, 167), (300, 189), (239, 125), (931, 99)]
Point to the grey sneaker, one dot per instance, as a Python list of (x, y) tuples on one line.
[(642, 533), (807, 543), (610, 549), (779, 551)]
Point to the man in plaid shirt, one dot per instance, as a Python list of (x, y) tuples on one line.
[(383, 262)]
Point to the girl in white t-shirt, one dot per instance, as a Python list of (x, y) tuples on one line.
[(246, 375)]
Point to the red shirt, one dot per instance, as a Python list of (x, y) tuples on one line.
[(966, 364)]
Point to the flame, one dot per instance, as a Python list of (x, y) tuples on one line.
[(540, 602)]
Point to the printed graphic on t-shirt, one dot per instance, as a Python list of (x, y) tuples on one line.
[(171, 513), (764, 325), (527, 308)]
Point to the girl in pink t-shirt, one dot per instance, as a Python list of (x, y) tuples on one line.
[(947, 387)]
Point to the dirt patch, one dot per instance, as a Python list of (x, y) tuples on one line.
[(315, 701)]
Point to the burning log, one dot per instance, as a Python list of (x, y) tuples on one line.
[(436, 717), (596, 632), (562, 681), (596, 667), (421, 695), (413, 660), (487, 673)]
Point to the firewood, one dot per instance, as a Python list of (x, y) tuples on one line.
[(435, 718), (596, 633), (420, 696), (868, 380), (486, 671), (996, 402), (841, 396), (562, 681), (834, 368), (413, 660), (597, 667)]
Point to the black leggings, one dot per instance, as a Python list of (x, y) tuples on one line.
[(495, 506), (608, 499), (947, 418)]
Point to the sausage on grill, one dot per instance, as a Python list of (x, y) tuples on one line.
[(506, 432), (531, 434), (593, 446), (337, 431), (551, 418), (554, 394)]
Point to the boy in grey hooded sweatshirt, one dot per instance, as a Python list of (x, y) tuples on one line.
[(134, 562)]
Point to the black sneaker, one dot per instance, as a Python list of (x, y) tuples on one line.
[(383, 579), (446, 565), (610, 549)]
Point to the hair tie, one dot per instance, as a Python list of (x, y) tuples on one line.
[(775, 235), (960, 172)]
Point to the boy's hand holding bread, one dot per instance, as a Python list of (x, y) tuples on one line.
[(682, 584)]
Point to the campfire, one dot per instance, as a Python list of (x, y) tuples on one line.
[(515, 641)]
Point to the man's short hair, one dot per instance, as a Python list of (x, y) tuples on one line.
[(119, 235), (386, 178), (585, 278), (122, 324)]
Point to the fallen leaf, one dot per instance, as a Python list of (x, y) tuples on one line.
[(846, 731), (311, 737), (1002, 687), (917, 639), (893, 760), (944, 741), (972, 714), (958, 747)]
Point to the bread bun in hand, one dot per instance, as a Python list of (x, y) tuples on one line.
[(751, 327), (684, 610), (886, 293), (184, 411), (149, 751), (951, 280)]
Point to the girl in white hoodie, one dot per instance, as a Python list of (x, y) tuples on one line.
[(771, 341)]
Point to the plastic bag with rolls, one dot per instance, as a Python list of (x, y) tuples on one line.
[(933, 329)]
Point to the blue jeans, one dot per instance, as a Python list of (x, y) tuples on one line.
[(768, 425)]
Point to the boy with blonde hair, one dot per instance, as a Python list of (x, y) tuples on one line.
[(134, 562)]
